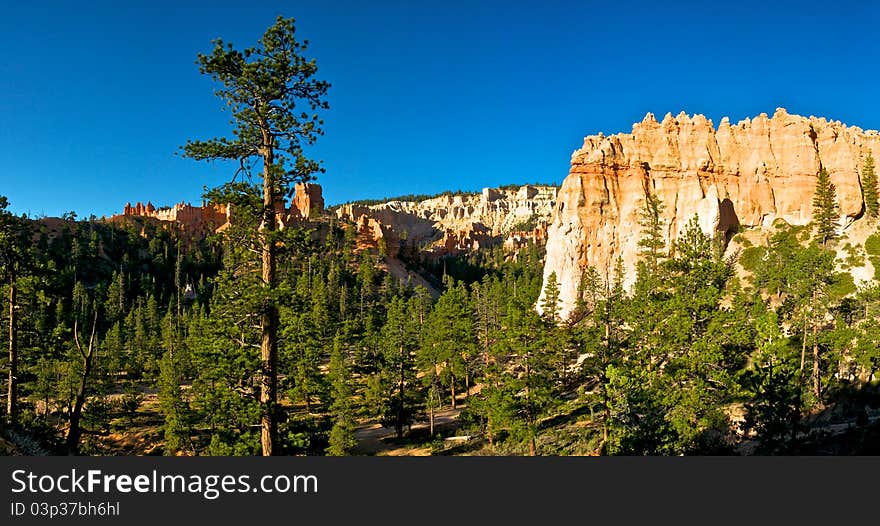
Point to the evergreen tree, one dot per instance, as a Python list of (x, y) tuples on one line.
[(449, 338), (599, 333), (174, 408), (825, 208), (550, 304), (342, 439), (399, 341), (652, 243), (267, 87), (13, 254), (85, 349), (225, 351), (528, 369), (869, 187), (668, 397), (775, 408)]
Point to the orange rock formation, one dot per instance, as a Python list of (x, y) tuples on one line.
[(738, 175), (307, 204), (452, 224)]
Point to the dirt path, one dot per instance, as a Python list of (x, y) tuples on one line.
[(376, 439)]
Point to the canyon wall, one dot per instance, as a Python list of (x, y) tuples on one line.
[(454, 224), (739, 175), (207, 218), (307, 204)]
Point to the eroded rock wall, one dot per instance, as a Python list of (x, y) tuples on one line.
[(746, 174), (452, 224)]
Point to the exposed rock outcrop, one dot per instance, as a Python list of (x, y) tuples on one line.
[(308, 201), (746, 174), (208, 217), (307, 204), (454, 224)]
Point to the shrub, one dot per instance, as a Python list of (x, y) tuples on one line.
[(751, 257), (842, 286), (872, 245)]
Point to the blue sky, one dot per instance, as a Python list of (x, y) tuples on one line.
[(426, 96)]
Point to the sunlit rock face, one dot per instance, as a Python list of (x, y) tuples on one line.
[(307, 204), (746, 174), (455, 224)]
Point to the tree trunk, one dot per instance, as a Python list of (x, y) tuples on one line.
[(489, 432), (533, 450), (452, 389), (269, 318), (431, 418), (398, 427), (74, 432), (308, 398), (176, 324), (604, 380), (11, 402), (607, 409), (804, 348), (816, 386)]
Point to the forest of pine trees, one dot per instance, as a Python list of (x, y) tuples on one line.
[(127, 338), (131, 337)]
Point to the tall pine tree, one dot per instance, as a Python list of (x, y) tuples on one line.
[(869, 187), (825, 208), (268, 88)]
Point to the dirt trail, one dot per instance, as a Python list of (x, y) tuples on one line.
[(376, 439)]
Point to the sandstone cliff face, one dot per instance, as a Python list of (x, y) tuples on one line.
[(308, 201), (307, 204), (452, 224), (746, 174), (207, 217)]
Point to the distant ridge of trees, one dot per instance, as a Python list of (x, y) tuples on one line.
[(417, 198)]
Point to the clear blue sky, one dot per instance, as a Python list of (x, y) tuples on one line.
[(426, 96)]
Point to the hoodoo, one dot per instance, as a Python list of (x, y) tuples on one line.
[(743, 175), (455, 224)]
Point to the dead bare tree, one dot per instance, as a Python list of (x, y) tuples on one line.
[(73, 434)]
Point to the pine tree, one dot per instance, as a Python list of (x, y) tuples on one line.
[(652, 242), (224, 349), (174, 408), (267, 87), (825, 208), (449, 333), (869, 187), (600, 333), (529, 372), (550, 304), (491, 404), (774, 411), (13, 254), (399, 342), (342, 439)]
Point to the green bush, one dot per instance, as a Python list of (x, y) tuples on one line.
[(842, 286), (751, 257), (855, 256), (872, 245), (875, 261), (745, 243)]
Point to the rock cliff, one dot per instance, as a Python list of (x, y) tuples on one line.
[(205, 218), (308, 201), (453, 224), (307, 204), (746, 174)]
